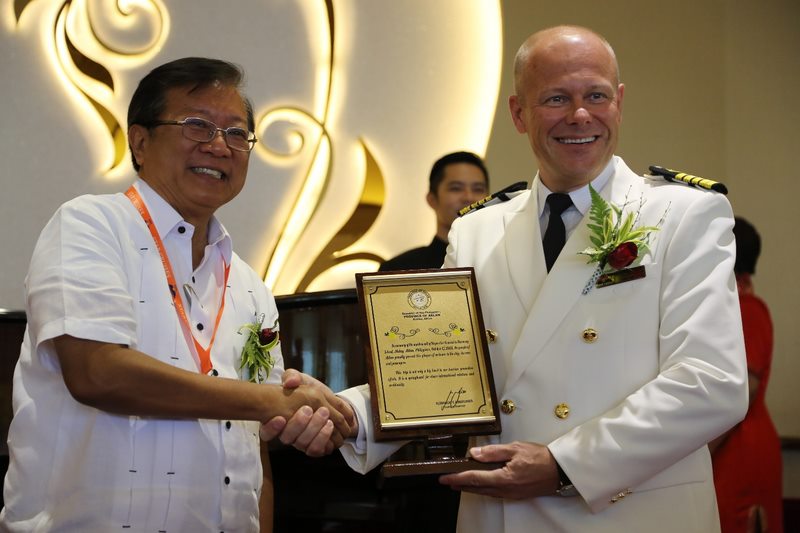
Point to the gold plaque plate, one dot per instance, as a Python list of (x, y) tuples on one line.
[(429, 366)]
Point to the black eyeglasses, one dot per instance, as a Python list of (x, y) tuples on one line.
[(203, 131)]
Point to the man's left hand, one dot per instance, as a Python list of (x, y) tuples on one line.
[(530, 471)]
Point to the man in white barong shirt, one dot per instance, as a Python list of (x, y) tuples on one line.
[(131, 411)]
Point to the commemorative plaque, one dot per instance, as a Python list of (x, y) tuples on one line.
[(428, 364)]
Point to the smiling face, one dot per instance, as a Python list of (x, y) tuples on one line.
[(193, 177), (569, 103)]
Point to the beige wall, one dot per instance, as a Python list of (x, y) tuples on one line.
[(762, 73)]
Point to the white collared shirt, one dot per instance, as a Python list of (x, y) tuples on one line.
[(581, 200), (96, 274)]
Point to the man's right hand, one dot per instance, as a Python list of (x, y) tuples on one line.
[(315, 432)]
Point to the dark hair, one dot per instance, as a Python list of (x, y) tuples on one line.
[(149, 99), (437, 172), (748, 246)]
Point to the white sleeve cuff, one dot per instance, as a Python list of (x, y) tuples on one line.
[(362, 453)]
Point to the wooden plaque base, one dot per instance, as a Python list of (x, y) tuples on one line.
[(437, 455), (435, 466)]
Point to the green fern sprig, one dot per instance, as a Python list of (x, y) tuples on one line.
[(610, 228), (256, 358)]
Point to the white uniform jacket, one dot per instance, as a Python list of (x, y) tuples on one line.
[(665, 374)]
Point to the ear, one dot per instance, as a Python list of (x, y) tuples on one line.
[(432, 200), (138, 138), (620, 94), (516, 113)]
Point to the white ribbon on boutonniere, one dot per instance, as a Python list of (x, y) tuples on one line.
[(618, 243), (255, 352)]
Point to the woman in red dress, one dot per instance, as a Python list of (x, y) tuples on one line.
[(747, 459)]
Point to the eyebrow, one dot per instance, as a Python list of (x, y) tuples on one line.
[(603, 87), (202, 112)]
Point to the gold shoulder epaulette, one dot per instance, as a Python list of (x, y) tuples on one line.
[(500, 196), (694, 181)]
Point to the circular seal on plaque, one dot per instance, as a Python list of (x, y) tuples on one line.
[(419, 299)]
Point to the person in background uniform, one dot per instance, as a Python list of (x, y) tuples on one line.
[(457, 180), (132, 411), (612, 375), (747, 459)]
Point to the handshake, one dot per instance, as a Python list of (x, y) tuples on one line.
[(313, 419)]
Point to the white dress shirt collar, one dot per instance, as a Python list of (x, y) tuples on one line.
[(167, 220), (581, 199)]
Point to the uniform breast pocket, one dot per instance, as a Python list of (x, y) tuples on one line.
[(625, 288), (608, 328)]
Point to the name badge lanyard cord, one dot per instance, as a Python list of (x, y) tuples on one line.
[(204, 354)]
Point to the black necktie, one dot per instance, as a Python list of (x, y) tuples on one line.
[(556, 234)]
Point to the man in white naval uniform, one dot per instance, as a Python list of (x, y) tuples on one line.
[(609, 395)]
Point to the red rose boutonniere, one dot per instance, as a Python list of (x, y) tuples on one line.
[(255, 352), (623, 255), (618, 243)]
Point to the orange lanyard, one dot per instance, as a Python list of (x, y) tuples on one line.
[(203, 353)]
